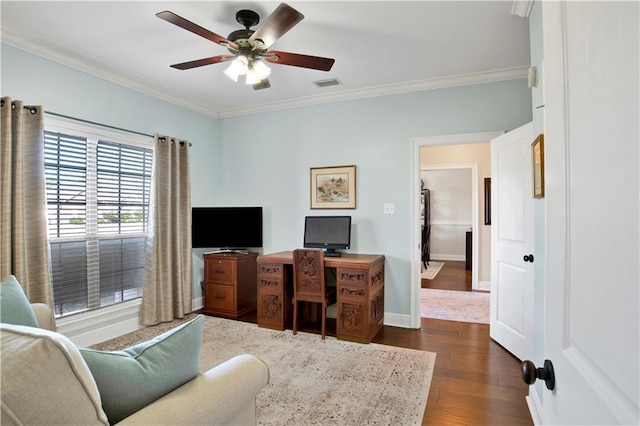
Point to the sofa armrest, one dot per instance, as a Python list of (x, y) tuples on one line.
[(223, 395), (44, 316)]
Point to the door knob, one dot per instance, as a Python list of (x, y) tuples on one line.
[(528, 258), (530, 373)]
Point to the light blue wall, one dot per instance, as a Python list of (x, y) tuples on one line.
[(264, 159), (60, 89)]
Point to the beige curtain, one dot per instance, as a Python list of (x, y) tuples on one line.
[(167, 285), (24, 249)]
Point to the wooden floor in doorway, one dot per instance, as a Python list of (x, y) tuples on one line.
[(475, 380), (452, 276)]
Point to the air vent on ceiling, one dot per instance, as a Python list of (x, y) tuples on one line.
[(327, 83)]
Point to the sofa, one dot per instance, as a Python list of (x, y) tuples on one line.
[(46, 379)]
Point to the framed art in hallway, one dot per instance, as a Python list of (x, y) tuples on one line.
[(537, 153), (333, 187), (487, 201)]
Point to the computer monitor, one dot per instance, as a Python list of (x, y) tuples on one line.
[(329, 233)]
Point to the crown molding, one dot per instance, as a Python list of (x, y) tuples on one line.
[(521, 8), (82, 64), (386, 90), (104, 72)]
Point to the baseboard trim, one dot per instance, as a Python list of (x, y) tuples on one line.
[(89, 328), (93, 327), (197, 304), (103, 334), (484, 286), (457, 257), (397, 320), (535, 406)]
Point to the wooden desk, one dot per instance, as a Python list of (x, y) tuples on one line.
[(360, 288)]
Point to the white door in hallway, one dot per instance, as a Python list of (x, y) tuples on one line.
[(592, 326), (512, 238)]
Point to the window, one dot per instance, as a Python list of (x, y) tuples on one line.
[(98, 192)]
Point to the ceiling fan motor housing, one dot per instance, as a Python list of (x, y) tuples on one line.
[(246, 18), (241, 38)]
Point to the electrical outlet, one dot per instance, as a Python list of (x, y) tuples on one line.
[(389, 208)]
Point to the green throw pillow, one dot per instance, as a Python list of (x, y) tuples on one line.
[(131, 379), (14, 306)]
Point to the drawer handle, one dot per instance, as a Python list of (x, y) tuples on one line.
[(219, 271), (219, 297)]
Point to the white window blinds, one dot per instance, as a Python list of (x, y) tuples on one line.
[(98, 203)]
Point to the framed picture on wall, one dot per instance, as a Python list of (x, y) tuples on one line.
[(333, 187), (537, 154)]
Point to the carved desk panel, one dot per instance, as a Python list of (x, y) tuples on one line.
[(360, 286)]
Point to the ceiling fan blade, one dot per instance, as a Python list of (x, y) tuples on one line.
[(298, 60), (202, 62), (194, 28), (264, 84), (276, 25)]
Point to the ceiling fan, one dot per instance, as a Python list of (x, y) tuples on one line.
[(249, 48)]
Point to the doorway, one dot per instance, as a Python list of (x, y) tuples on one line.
[(432, 141), (453, 198)]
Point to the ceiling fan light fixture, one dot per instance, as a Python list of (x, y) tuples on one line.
[(252, 77), (257, 72), (261, 69), (238, 67)]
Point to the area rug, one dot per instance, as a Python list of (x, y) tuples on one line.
[(463, 306), (314, 381), (432, 270)]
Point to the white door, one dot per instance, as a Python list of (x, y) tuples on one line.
[(512, 238), (591, 330)]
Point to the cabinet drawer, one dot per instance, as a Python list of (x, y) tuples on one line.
[(352, 283), (352, 277), (351, 290), (221, 271), (219, 296), (270, 271)]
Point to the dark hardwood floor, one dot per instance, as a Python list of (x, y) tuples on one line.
[(452, 276), (475, 380)]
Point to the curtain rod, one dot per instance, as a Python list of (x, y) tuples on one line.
[(33, 108), (103, 125), (98, 124)]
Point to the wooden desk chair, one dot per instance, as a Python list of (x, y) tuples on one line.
[(309, 284)]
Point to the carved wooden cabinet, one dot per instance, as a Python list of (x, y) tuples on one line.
[(229, 284), (274, 296), (360, 286), (360, 301)]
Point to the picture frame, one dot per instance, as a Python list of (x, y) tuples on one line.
[(487, 201), (537, 165), (333, 187)]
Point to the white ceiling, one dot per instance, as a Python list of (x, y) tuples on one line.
[(380, 47)]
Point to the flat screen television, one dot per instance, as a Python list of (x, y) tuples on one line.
[(329, 233), (226, 228)]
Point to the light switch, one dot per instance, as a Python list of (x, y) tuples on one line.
[(389, 208)]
